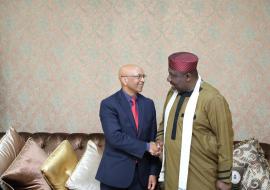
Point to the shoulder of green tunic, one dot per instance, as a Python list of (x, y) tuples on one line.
[(208, 91), (210, 94)]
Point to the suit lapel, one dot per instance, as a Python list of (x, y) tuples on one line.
[(127, 110)]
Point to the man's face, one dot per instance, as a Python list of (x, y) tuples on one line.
[(135, 80), (177, 80)]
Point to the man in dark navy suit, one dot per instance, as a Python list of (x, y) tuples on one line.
[(130, 158)]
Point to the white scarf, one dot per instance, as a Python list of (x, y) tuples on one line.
[(186, 135)]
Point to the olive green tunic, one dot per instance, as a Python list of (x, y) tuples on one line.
[(211, 145)]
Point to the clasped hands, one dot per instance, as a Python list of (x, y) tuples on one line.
[(156, 148)]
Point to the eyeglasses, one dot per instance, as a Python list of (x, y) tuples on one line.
[(139, 76)]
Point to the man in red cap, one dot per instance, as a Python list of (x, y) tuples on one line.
[(196, 130)]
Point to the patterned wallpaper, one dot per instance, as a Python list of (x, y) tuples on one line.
[(60, 58)]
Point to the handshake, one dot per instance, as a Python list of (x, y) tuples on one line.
[(156, 148)]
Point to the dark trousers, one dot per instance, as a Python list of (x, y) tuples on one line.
[(135, 185)]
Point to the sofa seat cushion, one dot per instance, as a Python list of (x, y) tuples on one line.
[(24, 172), (59, 165), (83, 177)]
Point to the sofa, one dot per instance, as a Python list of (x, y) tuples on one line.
[(49, 141)]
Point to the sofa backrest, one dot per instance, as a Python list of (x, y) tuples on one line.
[(49, 141), (266, 149)]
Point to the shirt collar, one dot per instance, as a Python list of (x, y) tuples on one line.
[(128, 97)]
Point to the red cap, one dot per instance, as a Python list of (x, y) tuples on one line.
[(183, 61)]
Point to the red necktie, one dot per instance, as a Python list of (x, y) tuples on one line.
[(134, 110)]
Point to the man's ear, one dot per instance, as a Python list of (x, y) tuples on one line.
[(124, 80)]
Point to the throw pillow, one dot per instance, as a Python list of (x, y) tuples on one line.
[(257, 176), (243, 153), (10, 145), (59, 165), (24, 172), (246, 154), (83, 177)]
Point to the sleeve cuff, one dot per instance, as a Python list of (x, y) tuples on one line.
[(225, 175)]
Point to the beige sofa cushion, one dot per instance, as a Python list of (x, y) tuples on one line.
[(83, 177), (24, 172), (10, 145)]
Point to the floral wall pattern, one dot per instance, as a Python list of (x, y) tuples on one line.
[(60, 58)]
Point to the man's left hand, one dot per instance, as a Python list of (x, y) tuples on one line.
[(223, 186), (152, 182)]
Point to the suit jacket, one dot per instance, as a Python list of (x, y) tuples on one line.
[(125, 146)]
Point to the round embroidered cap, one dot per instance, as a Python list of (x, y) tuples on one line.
[(183, 61)]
